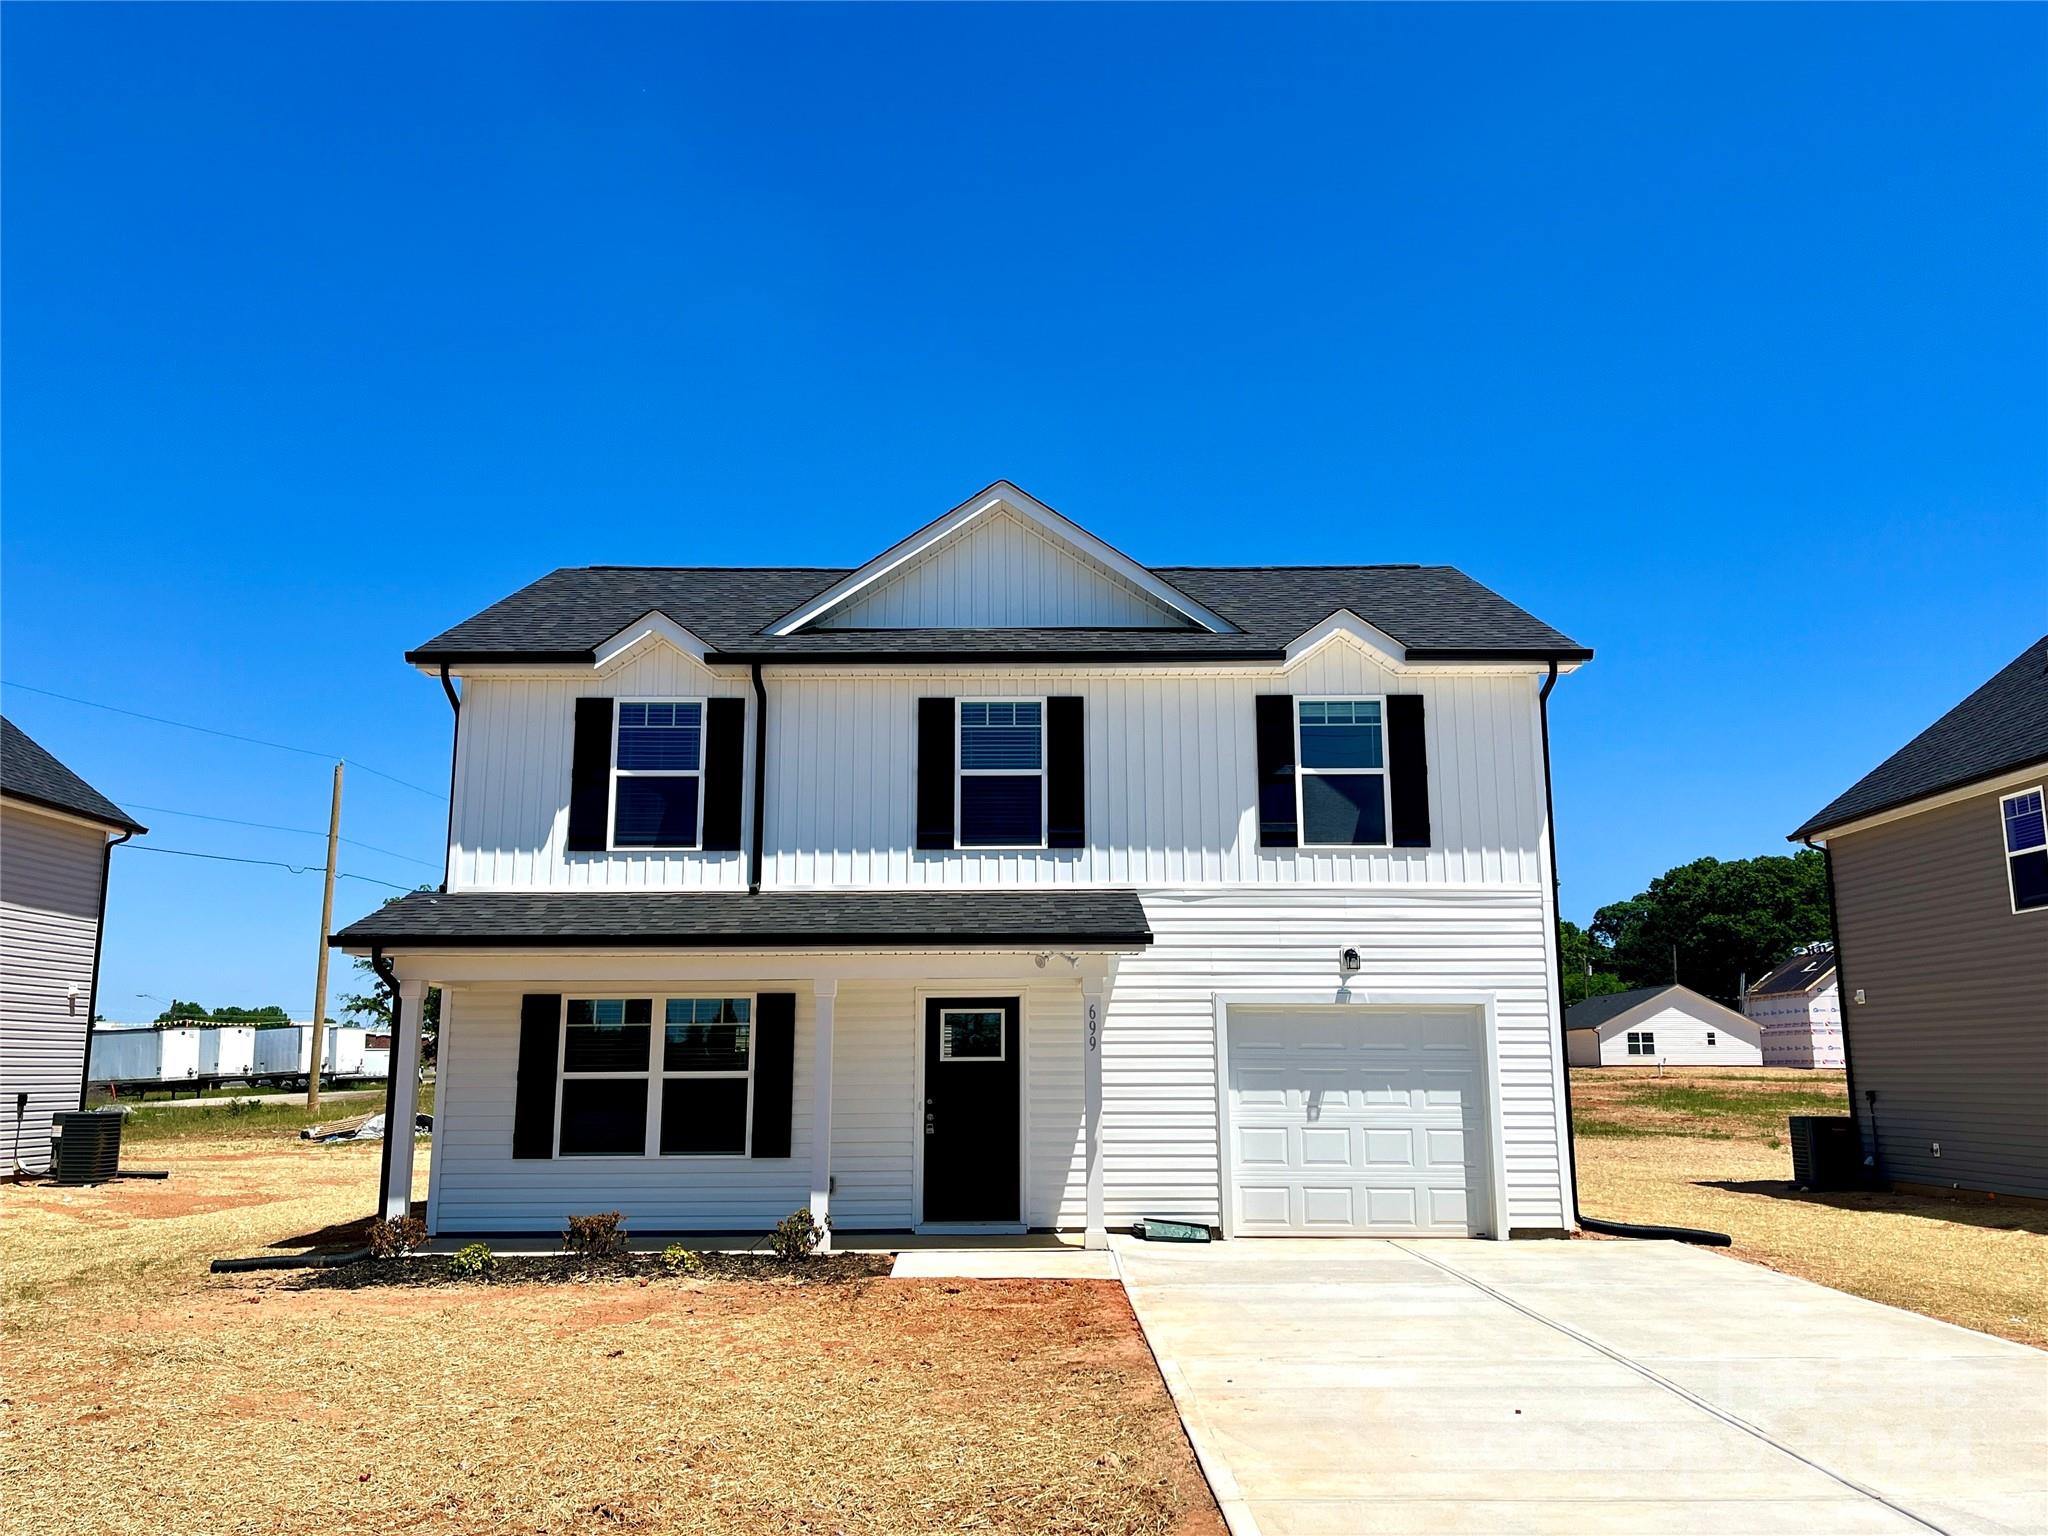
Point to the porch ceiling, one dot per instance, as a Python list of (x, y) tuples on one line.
[(795, 920)]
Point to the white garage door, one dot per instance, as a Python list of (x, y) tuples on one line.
[(1357, 1122)]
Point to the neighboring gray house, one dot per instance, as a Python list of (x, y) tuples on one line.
[(56, 833), (1938, 861)]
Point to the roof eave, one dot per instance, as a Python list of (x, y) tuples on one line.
[(57, 807), (1818, 825)]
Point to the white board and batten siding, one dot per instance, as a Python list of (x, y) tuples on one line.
[(50, 876), (1171, 780), (1002, 573)]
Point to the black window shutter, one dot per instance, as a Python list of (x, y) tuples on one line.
[(533, 1099), (590, 777), (1277, 828), (935, 773), (1066, 773), (774, 1071), (725, 757), (1408, 766)]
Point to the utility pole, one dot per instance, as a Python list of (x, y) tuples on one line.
[(326, 923)]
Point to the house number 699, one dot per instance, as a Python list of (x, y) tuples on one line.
[(1092, 1012)]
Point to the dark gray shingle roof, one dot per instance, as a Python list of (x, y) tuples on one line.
[(1436, 611), (2002, 726), (28, 772), (1798, 974), (952, 919), (1592, 1012)]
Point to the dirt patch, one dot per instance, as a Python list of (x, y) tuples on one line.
[(1981, 1264), (722, 1402)]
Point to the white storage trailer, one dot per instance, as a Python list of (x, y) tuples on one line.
[(144, 1055), (284, 1055), (226, 1053)]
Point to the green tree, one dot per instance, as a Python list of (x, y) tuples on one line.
[(1723, 919), (1588, 965), (266, 1017), (372, 1006), (182, 1012)]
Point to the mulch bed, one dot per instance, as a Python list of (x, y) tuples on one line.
[(432, 1270)]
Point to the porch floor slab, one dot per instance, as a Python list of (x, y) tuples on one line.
[(1441, 1386)]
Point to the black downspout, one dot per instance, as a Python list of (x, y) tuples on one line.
[(1876, 1158), (760, 780), (454, 750), (99, 941), (1568, 1141), (389, 977)]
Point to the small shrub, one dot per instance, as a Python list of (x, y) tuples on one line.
[(393, 1236), (472, 1261), (678, 1260), (596, 1237), (796, 1236)]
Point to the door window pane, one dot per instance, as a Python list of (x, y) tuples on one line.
[(971, 1036)]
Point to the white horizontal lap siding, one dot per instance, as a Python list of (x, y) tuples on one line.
[(49, 918), (1680, 1038), (1001, 573), (512, 781), (1056, 1154), (1171, 765), (1159, 1036), (874, 1106), (480, 1187)]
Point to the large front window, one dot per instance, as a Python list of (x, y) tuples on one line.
[(631, 1090), (658, 773), (1002, 773), (1341, 748), (2026, 849)]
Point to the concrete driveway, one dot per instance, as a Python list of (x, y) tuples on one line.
[(1346, 1388)]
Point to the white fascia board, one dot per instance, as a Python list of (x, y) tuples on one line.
[(652, 625), (513, 967), (1347, 625), (1002, 496)]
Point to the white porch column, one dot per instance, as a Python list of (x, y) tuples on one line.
[(1094, 988), (825, 997), (405, 1097)]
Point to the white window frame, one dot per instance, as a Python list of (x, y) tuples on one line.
[(1002, 1034), (654, 1074), (1385, 770), (962, 771), (1641, 1042), (611, 823), (2012, 895)]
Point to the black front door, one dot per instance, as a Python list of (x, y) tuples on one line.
[(970, 1109)]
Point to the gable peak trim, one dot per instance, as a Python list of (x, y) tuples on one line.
[(650, 626), (996, 499)]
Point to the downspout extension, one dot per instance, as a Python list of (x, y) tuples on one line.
[(760, 780), (1876, 1158), (389, 977), (1564, 1064), (99, 940), (454, 750)]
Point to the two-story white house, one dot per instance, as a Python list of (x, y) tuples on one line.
[(1000, 883)]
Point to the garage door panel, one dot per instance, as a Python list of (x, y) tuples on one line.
[(1356, 1121)]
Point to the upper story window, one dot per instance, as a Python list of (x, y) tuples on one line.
[(1000, 796), (658, 774), (1342, 786), (2026, 849)]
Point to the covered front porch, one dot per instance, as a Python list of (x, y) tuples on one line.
[(952, 1090)]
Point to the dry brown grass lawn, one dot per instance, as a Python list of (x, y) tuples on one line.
[(142, 1394), (1706, 1148)]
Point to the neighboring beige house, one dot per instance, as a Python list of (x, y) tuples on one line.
[(56, 834), (1659, 1027), (1938, 862), (1799, 1007)]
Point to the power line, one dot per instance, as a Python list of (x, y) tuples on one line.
[(297, 869), (267, 826), (207, 730)]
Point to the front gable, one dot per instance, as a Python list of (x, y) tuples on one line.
[(1001, 560)]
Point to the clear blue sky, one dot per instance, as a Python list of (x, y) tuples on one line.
[(1715, 337)]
